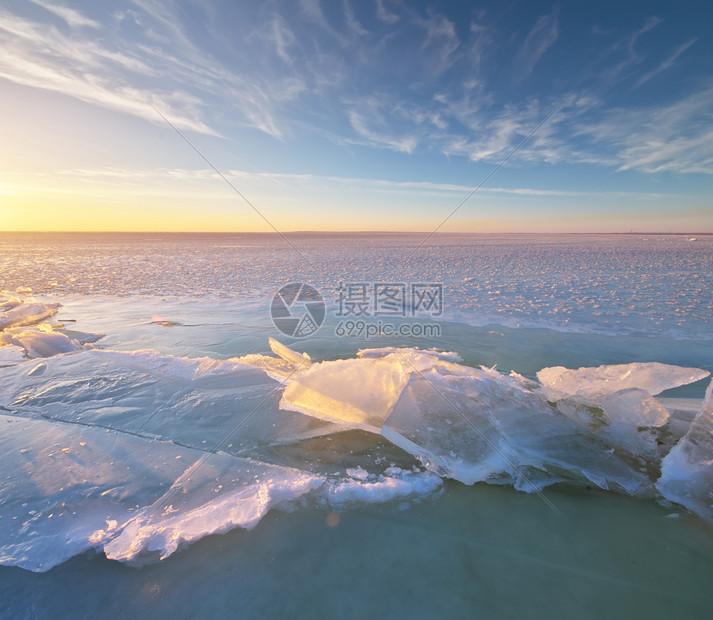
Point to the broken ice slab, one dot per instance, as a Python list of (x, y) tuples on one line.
[(359, 393), (195, 402), (62, 483), (39, 340), (466, 423), (66, 489), (592, 385), (687, 471), (18, 314), (92, 436), (482, 426), (217, 493)]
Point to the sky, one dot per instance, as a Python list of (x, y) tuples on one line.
[(356, 115)]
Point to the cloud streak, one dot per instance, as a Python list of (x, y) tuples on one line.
[(542, 36), (70, 16), (165, 69), (207, 181), (44, 57), (666, 64), (676, 137)]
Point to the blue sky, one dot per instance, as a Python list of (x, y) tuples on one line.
[(356, 115)]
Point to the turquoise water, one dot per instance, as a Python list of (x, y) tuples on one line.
[(470, 552)]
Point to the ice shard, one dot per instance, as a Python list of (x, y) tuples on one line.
[(687, 471), (592, 385)]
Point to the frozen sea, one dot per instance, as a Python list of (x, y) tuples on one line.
[(489, 426)]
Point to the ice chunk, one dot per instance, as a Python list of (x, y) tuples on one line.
[(8, 301), (358, 473), (469, 424), (39, 340), (197, 402), (482, 426), (634, 407), (61, 483), (630, 420), (687, 471), (290, 356), (633, 422), (281, 369), (335, 391), (394, 484), (592, 385), (21, 327), (25, 313), (217, 493), (449, 356)]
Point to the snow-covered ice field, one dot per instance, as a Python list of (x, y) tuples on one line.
[(545, 451)]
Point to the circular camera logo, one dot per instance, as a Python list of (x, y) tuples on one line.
[(297, 310)]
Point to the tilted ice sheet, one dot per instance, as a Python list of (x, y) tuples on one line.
[(687, 471), (196, 402), (62, 483), (39, 340), (23, 334), (360, 393), (217, 493), (482, 426), (591, 385), (93, 439), (26, 314)]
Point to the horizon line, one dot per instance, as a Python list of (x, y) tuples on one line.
[(351, 232)]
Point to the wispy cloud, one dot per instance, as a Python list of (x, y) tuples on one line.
[(666, 64), (313, 10), (441, 41), (374, 131), (174, 181), (675, 137), (283, 38), (352, 22), (540, 38), (44, 57), (480, 43), (384, 14), (495, 134), (72, 17), (624, 50), (165, 69), (650, 24)]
